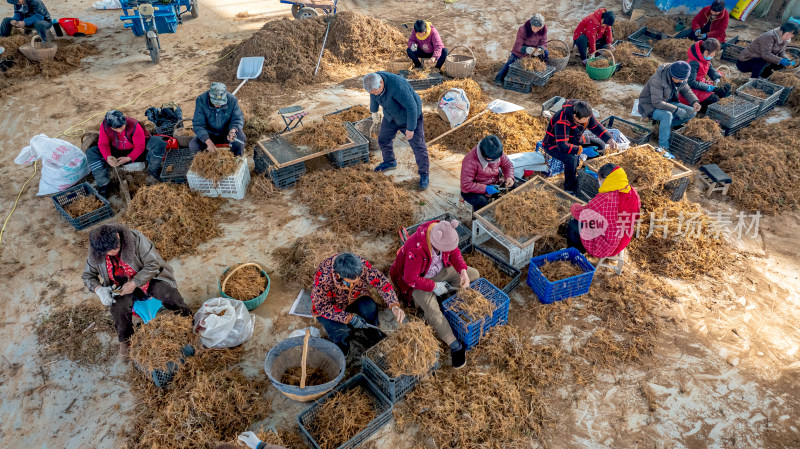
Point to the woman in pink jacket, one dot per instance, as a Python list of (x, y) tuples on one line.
[(481, 172), (425, 42)]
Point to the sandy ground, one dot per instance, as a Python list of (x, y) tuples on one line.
[(725, 375)]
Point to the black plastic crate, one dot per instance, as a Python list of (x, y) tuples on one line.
[(733, 130), (464, 233), (686, 148), (360, 160), (381, 404), (261, 161), (510, 271), (787, 91), (433, 79), (356, 152), (63, 199), (642, 135), (373, 365), (771, 89), (176, 164), (516, 84), (644, 49), (646, 36), (677, 187), (534, 78), (731, 49), (588, 185), (737, 111)]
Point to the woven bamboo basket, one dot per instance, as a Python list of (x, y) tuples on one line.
[(460, 65), (396, 66), (39, 51), (559, 63)]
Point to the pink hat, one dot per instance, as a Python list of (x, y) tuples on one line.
[(444, 236)]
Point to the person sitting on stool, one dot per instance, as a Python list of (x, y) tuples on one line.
[(480, 172), (218, 119), (704, 79), (425, 42), (767, 52), (659, 100), (340, 300), (28, 14), (531, 41), (710, 22), (594, 32)]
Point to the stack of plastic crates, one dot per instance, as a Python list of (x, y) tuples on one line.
[(636, 134), (734, 115), (433, 79), (357, 154), (517, 84), (772, 90), (469, 333)]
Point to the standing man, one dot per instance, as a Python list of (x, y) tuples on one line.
[(531, 42), (481, 172), (340, 300), (704, 79), (767, 52), (425, 42), (659, 100), (218, 119), (402, 111), (594, 32), (30, 14), (563, 138), (710, 22)]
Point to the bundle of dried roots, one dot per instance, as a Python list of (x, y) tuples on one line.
[(412, 350), (83, 206), (320, 136), (531, 213), (215, 165), (341, 417), (298, 262), (159, 342)]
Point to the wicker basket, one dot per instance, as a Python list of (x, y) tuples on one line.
[(601, 73), (559, 63), (460, 65), (396, 66), (42, 51)]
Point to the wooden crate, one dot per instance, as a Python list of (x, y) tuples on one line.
[(679, 171), (283, 154)]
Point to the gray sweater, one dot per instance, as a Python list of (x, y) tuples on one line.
[(660, 91)]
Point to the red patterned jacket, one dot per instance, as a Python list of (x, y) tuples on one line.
[(620, 210), (329, 298), (592, 26)]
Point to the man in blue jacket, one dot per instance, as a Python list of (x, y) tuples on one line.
[(402, 111), (27, 14), (217, 120)]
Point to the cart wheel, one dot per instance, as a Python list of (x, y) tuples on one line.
[(295, 10), (152, 45), (629, 5), (306, 13), (195, 11)]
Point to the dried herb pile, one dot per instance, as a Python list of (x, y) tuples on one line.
[(297, 262), (645, 168), (487, 268), (412, 350), (353, 114), (789, 80), (68, 58), (80, 334), (471, 304), (560, 270), (672, 49), (215, 165), (573, 84), (159, 342), (633, 68), (703, 129), (246, 283), (533, 64), (320, 135), (341, 417), (83, 206), (314, 376), (533, 212)]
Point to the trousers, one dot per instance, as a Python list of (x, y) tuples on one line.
[(477, 200), (574, 235), (758, 67), (386, 143), (339, 333), (236, 148), (122, 308), (430, 305), (582, 42), (154, 151), (415, 55), (666, 120), (570, 162), (41, 27), (512, 58)]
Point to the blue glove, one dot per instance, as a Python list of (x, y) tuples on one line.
[(710, 88), (358, 322), (786, 62), (703, 36), (492, 190)]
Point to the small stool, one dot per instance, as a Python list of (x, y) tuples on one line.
[(615, 262), (715, 179), (290, 115)]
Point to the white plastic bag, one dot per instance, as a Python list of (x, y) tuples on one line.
[(107, 4), (63, 164), (223, 323), (455, 105)]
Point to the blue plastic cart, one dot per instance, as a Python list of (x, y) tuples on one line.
[(307, 9), (150, 17)]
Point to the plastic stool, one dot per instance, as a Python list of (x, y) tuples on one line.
[(715, 179), (614, 262)]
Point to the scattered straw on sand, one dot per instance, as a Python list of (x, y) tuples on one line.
[(487, 268), (471, 304), (624, 28), (534, 212), (661, 24), (672, 49), (354, 114), (261, 188), (789, 80), (703, 129), (175, 218), (533, 64), (83, 206), (298, 261), (160, 341), (314, 376), (341, 417), (412, 350), (215, 165), (754, 92), (573, 84), (73, 332), (357, 199), (645, 168), (559, 270), (519, 131), (68, 58), (320, 135), (246, 283), (633, 68), (600, 63)]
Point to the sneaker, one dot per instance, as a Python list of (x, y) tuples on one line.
[(424, 180), (386, 166), (124, 351), (498, 82), (459, 357)]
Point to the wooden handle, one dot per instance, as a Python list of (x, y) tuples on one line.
[(457, 127), (303, 361), (230, 273)]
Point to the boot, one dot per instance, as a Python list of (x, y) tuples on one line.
[(124, 351), (459, 356)]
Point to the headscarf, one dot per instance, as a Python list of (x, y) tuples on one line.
[(616, 180), (423, 36)]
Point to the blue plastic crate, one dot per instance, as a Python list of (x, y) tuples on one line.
[(504, 267), (373, 365), (470, 333), (549, 292), (63, 199)]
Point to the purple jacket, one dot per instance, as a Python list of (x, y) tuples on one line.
[(431, 44), (527, 38)]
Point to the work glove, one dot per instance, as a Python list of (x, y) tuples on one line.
[(697, 32), (703, 36), (786, 62), (249, 439), (681, 114), (376, 124), (104, 293), (723, 91), (528, 50), (492, 190), (414, 47), (358, 322), (710, 88), (583, 157), (440, 288)]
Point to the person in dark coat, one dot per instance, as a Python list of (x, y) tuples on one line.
[(531, 42), (28, 14), (659, 99), (710, 22), (767, 52), (218, 119), (402, 111), (125, 261)]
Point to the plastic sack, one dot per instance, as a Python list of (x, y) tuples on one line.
[(527, 161), (107, 4), (455, 106), (63, 164), (223, 323)]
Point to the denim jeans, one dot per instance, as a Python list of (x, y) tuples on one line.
[(339, 333), (386, 142), (666, 120), (154, 151)]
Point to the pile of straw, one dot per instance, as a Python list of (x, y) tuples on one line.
[(559, 270), (533, 212), (160, 341), (533, 64), (572, 84), (74, 333), (471, 305), (83, 206), (645, 168), (298, 262), (246, 283), (703, 129), (320, 136), (341, 417), (215, 165), (412, 350)]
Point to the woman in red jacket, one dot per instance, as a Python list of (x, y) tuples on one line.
[(481, 172), (703, 79), (594, 32), (710, 22), (531, 42), (427, 262)]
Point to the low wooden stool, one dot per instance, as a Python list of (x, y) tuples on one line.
[(715, 179), (615, 262)]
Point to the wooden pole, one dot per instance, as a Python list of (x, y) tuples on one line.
[(303, 362)]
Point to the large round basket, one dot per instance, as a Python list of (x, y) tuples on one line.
[(603, 73), (460, 65), (322, 354), (559, 63), (39, 51), (252, 303)]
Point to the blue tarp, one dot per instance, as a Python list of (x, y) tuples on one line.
[(686, 6)]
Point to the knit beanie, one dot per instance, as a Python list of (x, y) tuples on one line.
[(537, 20), (419, 26), (491, 147), (608, 18), (444, 236), (680, 70), (718, 6)]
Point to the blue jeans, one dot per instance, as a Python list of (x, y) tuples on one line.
[(386, 143), (339, 333), (666, 120), (41, 27), (154, 151)]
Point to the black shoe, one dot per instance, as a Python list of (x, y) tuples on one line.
[(345, 347), (103, 191), (459, 357), (498, 82), (373, 336)]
